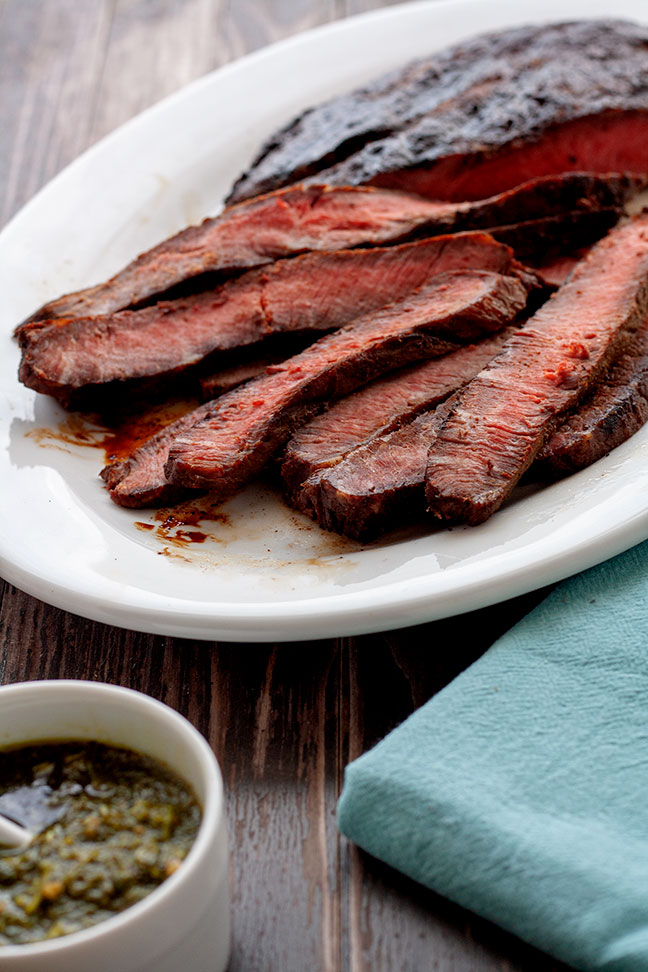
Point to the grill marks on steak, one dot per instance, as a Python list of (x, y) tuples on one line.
[(316, 291), (478, 117), (376, 409), (298, 219), (246, 427), (508, 411), (616, 409)]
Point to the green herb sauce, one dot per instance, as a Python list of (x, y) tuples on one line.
[(111, 826)]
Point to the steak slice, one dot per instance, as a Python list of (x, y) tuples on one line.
[(247, 426), (376, 409), (298, 219), (540, 240), (478, 117), (508, 411), (220, 382), (255, 233), (378, 486), (316, 291), (616, 409), (556, 270), (139, 480), (250, 362)]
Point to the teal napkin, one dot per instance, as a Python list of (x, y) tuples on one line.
[(520, 791)]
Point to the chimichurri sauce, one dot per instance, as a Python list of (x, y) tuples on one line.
[(111, 826)]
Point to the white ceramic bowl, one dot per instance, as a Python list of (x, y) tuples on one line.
[(184, 924)]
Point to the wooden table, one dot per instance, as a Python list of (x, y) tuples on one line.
[(283, 719)]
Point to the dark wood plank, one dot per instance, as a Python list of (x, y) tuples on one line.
[(283, 719)]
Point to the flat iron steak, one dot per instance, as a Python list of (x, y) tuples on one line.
[(271, 407), (376, 409), (316, 291), (304, 218), (614, 410), (247, 426), (478, 117), (506, 414)]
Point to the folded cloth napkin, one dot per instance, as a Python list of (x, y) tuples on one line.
[(521, 790)]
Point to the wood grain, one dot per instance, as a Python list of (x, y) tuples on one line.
[(283, 719)]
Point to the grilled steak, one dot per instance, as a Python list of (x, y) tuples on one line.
[(378, 486), (616, 409), (295, 220), (478, 117), (540, 240), (246, 427), (508, 411), (557, 269), (316, 291), (262, 230), (211, 386), (139, 481), (376, 409)]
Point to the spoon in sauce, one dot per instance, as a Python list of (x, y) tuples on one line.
[(12, 835), (24, 812)]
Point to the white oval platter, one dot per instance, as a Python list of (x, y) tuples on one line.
[(264, 573)]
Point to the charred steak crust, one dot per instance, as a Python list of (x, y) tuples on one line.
[(315, 291), (505, 415), (614, 411), (469, 104), (246, 427)]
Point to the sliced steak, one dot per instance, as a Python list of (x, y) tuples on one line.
[(378, 486), (298, 219), (540, 240), (220, 382), (508, 411), (246, 427), (247, 363), (316, 291), (258, 232), (616, 409), (376, 409), (556, 270), (478, 117), (139, 480)]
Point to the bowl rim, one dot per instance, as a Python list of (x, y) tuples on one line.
[(212, 809)]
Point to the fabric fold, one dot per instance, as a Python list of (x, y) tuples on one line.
[(520, 791)]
